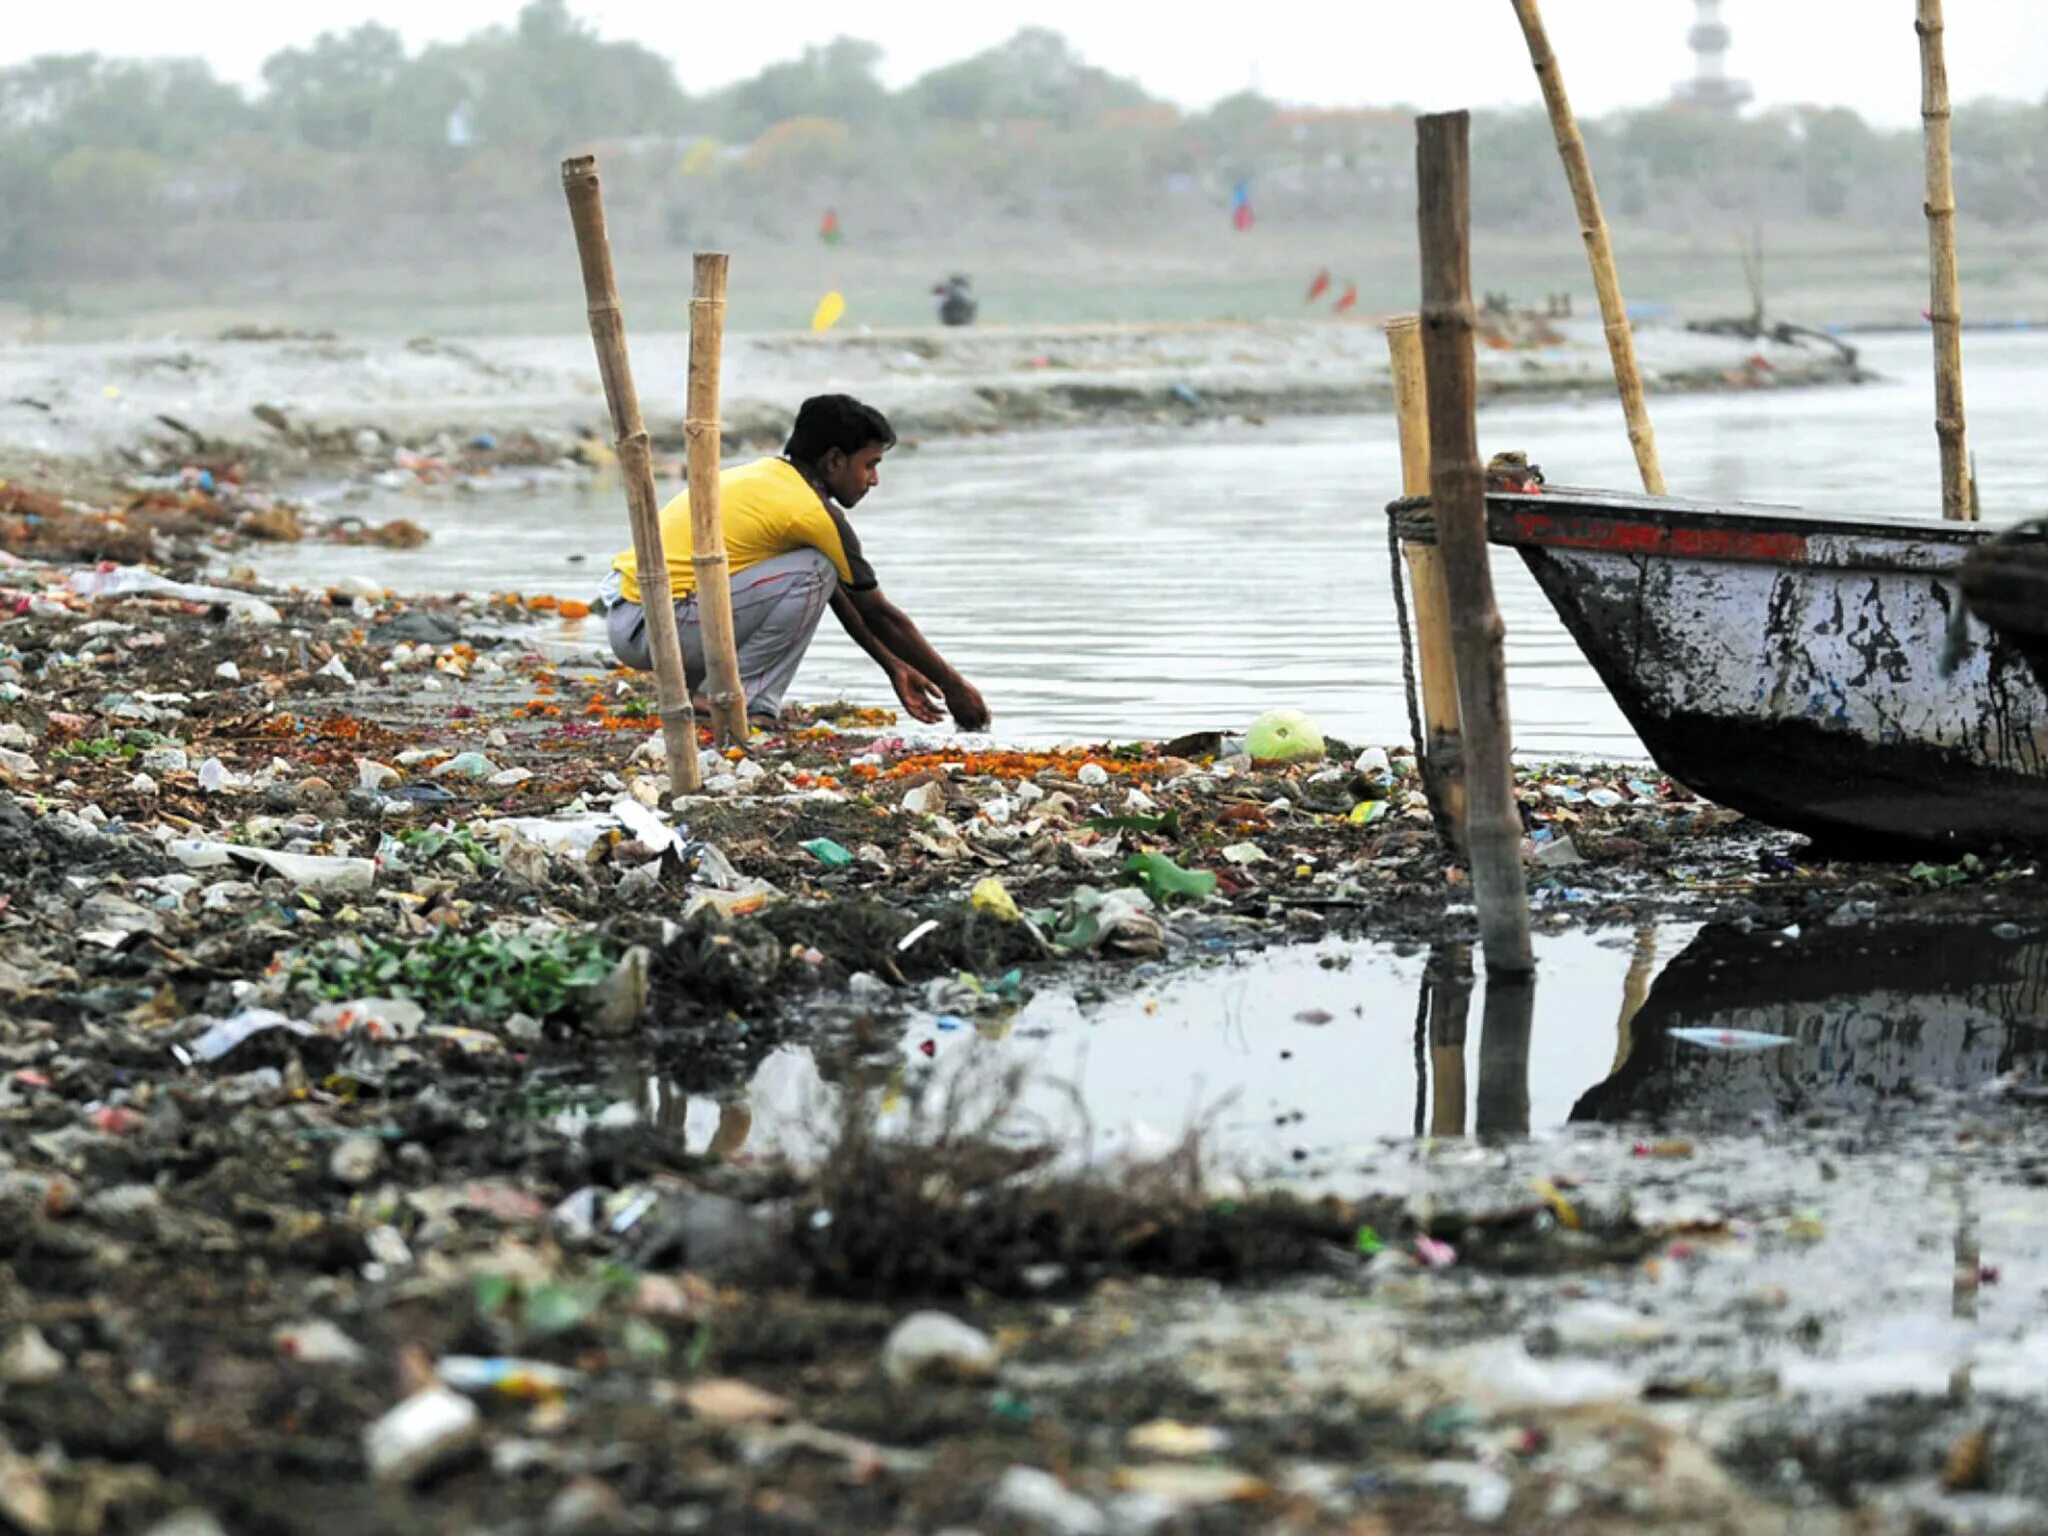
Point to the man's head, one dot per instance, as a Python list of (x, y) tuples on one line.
[(842, 442)]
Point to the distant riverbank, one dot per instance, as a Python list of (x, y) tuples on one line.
[(296, 404)]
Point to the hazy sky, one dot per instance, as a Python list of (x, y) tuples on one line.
[(1432, 53)]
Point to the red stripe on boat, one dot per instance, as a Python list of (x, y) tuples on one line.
[(1635, 538)]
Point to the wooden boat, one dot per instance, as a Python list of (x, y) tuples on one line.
[(1789, 665), (2005, 585), (1869, 1011)]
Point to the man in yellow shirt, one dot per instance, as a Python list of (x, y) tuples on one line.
[(792, 553)]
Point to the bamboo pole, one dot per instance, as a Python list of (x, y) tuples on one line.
[(636, 470), (1578, 171), (707, 529), (1945, 306), (1443, 746), (1493, 830)]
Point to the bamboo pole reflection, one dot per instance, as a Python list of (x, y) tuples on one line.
[(1447, 987), (1635, 987), (669, 1110), (1965, 1283), (1503, 1100)]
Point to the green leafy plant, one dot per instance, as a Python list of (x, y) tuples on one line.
[(425, 844), (1939, 875), (544, 1308), (98, 750), (479, 973)]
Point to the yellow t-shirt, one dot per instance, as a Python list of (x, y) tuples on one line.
[(767, 509)]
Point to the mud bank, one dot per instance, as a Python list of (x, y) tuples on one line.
[(332, 402), (356, 973)]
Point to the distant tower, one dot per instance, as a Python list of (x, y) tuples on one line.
[(1710, 89)]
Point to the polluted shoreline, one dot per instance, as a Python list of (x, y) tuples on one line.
[(305, 405), (345, 934)]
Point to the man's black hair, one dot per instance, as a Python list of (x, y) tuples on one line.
[(825, 422)]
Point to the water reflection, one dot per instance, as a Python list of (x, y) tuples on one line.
[(1869, 1012), (1503, 1107), (1447, 999), (1308, 1055)]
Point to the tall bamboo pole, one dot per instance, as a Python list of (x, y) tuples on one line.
[(1443, 747), (707, 529), (1578, 171), (1493, 830), (636, 470), (1945, 307)]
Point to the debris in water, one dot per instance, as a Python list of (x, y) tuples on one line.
[(1733, 1040)]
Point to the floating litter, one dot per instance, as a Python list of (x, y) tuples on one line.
[(1732, 1039)]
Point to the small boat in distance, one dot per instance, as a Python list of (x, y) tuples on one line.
[(1788, 665)]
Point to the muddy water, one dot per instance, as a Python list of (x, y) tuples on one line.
[(1300, 1061), (1141, 583)]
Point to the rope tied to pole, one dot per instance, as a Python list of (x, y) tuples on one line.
[(1412, 519), (1409, 690)]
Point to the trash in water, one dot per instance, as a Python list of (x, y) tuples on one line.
[(1732, 1039)]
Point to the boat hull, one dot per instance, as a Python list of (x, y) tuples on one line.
[(2005, 582), (1789, 667)]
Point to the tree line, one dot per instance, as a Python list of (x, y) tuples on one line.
[(116, 168)]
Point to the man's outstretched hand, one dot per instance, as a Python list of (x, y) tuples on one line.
[(918, 694), (965, 704)]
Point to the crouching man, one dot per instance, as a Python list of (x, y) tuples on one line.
[(792, 553)]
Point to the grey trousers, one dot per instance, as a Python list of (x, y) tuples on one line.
[(776, 606)]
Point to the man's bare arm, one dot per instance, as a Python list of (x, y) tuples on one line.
[(917, 693), (850, 620), (892, 628)]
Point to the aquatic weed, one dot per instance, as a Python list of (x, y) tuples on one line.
[(481, 973)]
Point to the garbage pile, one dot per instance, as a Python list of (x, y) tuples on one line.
[(273, 776), (335, 934), (179, 520)]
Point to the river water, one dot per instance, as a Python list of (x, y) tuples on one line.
[(1128, 583)]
